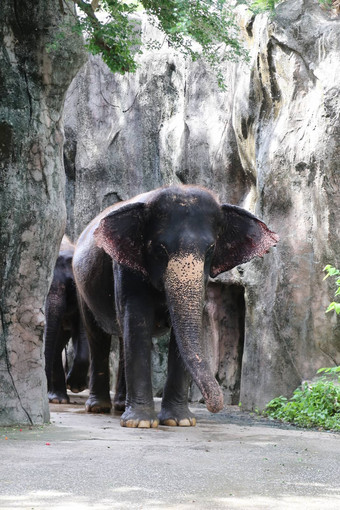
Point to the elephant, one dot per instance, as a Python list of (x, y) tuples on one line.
[(141, 267), (63, 321)]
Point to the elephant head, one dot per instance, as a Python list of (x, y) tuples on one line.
[(176, 239)]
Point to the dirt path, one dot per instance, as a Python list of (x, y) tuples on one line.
[(228, 461)]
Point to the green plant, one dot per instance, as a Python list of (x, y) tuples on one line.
[(314, 404), (326, 3), (330, 371), (258, 6), (332, 271)]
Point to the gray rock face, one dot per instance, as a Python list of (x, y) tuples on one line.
[(287, 122), (33, 84), (270, 143)]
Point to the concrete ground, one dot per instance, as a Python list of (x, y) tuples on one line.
[(230, 460)]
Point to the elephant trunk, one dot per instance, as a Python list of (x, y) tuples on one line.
[(184, 284)]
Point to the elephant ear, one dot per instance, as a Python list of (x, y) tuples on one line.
[(120, 234), (242, 237)]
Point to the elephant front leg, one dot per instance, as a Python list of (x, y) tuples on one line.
[(55, 338), (56, 384), (139, 404), (136, 321), (175, 410)]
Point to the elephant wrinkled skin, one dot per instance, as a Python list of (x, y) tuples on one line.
[(142, 266)]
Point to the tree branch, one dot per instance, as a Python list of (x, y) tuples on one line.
[(96, 25), (61, 6), (88, 10)]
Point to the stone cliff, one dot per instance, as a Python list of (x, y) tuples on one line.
[(269, 143), (33, 84)]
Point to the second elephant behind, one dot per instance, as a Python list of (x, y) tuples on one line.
[(63, 322)]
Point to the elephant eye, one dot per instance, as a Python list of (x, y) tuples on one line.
[(160, 250), (157, 250), (210, 250)]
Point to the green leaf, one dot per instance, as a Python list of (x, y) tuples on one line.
[(259, 6), (332, 271)]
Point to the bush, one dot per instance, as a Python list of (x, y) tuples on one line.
[(315, 404)]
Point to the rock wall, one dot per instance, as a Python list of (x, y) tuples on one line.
[(287, 121), (270, 143), (33, 84)]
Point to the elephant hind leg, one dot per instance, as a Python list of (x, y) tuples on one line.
[(77, 378), (175, 410), (120, 395), (99, 400)]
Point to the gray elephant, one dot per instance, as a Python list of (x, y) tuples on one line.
[(142, 266), (62, 322)]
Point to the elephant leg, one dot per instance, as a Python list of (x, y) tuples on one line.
[(55, 340), (57, 393), (174, 410), (99, 400), (77, 378), (120, 395), (135, 309)]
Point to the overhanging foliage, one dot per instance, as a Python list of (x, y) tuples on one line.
[(195, 28)]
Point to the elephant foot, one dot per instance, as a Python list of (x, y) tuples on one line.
[(77, 384), (55, 397), (119, 401), (118, 404), (77, 388), (98, 405), (139, 417), (174, 416)]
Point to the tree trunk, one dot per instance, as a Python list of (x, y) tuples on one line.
[(33, 83)]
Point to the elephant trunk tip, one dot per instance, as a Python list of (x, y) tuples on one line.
[(214, 403)]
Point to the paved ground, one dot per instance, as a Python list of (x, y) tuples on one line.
[(228, 461)]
